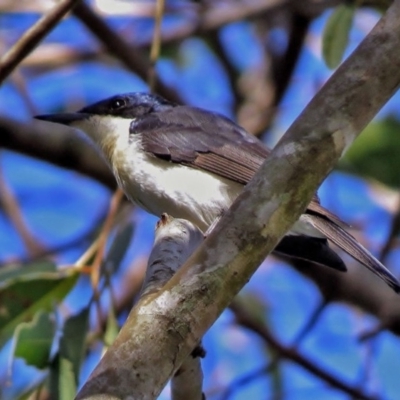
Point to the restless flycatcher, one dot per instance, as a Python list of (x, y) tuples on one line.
[(192, 163)]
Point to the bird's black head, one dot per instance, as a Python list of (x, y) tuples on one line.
[(109, 120), (129, 105)]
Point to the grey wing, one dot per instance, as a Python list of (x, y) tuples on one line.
[(203, 140)]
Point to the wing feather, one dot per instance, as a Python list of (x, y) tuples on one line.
[(209, 141), (185, 135)]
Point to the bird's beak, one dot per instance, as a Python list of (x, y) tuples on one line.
[(64, 118)]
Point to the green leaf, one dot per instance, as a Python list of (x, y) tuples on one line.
[(169, 51), (112, 328), (375, 153), (64, 370), (336, 34), (72, 343), (16, 270), (119, 247), (25, 293), (62, 384), (67, 388), (30, 392), (33, 340)]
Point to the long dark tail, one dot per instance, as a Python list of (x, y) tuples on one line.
[(349, 244), (311, 249)]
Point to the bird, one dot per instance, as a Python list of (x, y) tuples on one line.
[(192, 163)]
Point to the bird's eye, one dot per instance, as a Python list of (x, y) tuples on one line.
[(118, 103)]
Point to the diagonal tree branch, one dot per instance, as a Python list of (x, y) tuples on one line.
[(33, 36), (269, 205)]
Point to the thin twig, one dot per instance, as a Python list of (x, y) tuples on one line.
[(32, 37), (20, 84), (245, 319), (394, 231), (249, 378), (310, 323), (129, 286), (12, 209), (101, 245), (232, 73), (55, 144), (58, 248), (155, 44)]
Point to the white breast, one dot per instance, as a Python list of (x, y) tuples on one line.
[(160, 186)]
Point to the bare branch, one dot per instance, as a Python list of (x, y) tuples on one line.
[(33, 36), (156, 44), (247, 321), (9, 203), (211, 20), (130, 56), (56, 144), (357, 287), (102, 240)]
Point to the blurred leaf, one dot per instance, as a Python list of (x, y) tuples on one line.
[(72, 343), (15, 270), (62, 380), (67, 386), (375, 153), (119, 247), (32, 392), (169, 51), (112, 328), (65, 367), (25, 293), (33, 340), (336, 34)]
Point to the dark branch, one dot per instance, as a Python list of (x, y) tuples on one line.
[(55, 144), (33, 36), (260, 329), (130, 56)]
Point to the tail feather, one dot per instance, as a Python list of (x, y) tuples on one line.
[(315, 250), (350, 245)]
